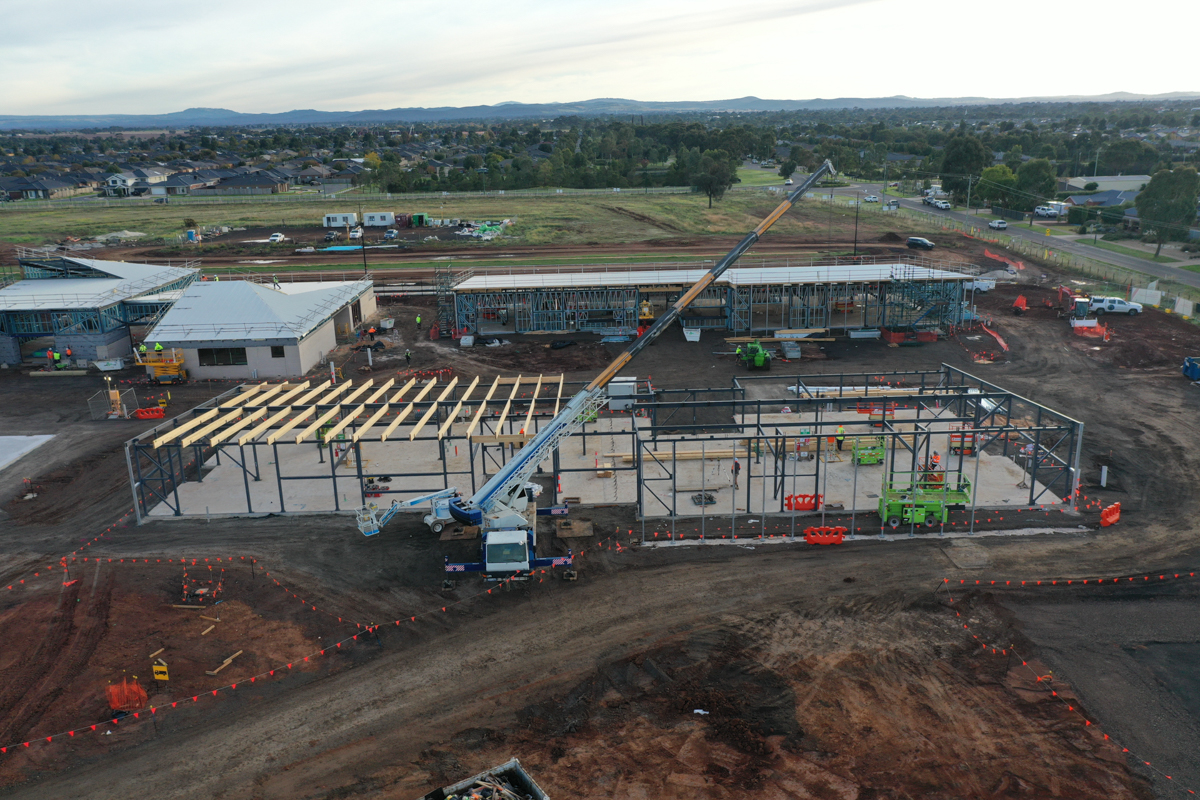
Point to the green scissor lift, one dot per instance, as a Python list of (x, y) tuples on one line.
[(922, 498), (754, 355), (869, 450)]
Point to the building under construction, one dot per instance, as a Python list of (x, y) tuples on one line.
[(898, 294), (298, 448)]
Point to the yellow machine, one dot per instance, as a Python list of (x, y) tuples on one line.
[(163, 366), (646, 312)]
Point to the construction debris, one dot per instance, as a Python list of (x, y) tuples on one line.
[(224, 663)]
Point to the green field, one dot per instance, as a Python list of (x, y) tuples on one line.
[(564, 219), (759, 177), (1128, 251)]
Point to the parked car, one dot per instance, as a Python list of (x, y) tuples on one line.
[(275, 238), (356, 234), (919, 243), (892, 203), (788, 182), (980, 285), (161, 200), (944, 205), (928, 199), (871, 199), (332, 236), (391, 233), (1045, 211), (998, 225), (1114, 305)]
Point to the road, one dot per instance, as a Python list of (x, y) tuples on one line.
[(1033, 234)]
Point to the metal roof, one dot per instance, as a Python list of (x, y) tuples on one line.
[(128, 280), (229, 311), (858, 273)]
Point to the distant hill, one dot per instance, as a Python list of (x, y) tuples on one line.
[(509, 110)]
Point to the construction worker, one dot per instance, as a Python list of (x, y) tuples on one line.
[(68, 352), (275, 281), (841, 436), (738, 352), (371, 332), (737, 469), (408, 358), (216, 277), (142, 348), (418, 322), (158, 348), (57, 360), (49, 358)]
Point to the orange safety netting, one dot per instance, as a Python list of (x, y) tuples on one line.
[(126, 696)]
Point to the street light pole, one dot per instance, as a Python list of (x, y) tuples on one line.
[(857, 205)]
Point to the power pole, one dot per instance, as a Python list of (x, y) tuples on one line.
[(857, 205)]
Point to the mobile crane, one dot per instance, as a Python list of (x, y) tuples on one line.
[(509, 540)]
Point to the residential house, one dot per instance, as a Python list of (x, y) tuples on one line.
[(255, 183), (1105, 199), (1132, 183)]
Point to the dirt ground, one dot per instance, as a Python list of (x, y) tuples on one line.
[(825, 672)]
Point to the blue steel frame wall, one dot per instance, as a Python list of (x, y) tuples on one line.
[(903, 303)]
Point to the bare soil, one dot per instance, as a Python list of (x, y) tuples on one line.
[(826, 672)]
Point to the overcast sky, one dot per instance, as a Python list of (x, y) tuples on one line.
[(137, 56)]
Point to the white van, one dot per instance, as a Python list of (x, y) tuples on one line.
[(1114, 305)]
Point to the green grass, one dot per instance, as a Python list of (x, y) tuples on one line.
[(563, 219), (759, 177), (1129, 251)]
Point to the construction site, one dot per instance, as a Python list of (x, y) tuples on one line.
[(796, 527)]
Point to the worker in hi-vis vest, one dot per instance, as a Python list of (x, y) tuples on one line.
[(841, 436)]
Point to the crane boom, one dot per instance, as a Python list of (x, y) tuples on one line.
[(495, 498)]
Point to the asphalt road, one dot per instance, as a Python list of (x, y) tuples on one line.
[(1034, 234)]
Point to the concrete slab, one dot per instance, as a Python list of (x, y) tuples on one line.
[(13, 447)]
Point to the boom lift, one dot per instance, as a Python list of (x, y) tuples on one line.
[(370, 521), (509, 540)]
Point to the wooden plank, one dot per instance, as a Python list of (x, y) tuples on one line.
[(346, 420), (224, 664), (212, 426), (311, 394), (185, 427), (332, 395), (206, 630), (370, 423), (156, 652), (301, 415), (403, 415), (532, 403), (348, 399), (266, 426), (237, 426), (558, 399), (508, 405), (503, 438), (317, 423), (479, 414), (399, 396), (245, 396), (260, 398), (450, 417), (432, 409), (289, 394), (375, 395)]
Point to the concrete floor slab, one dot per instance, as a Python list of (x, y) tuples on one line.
[(13, 447)]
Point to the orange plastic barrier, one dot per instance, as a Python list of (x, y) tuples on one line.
[(802, 502), (825, 534), (1110, 515), (149, 413)]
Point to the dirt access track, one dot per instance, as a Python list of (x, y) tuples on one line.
[(823, 672)]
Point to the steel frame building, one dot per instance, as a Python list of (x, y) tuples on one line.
[(253, 422), (908, 292)]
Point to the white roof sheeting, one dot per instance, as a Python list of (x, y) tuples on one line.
[(860, 273), (129, 280), (229, 311)]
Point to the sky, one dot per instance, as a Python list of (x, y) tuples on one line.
[(142, 57)]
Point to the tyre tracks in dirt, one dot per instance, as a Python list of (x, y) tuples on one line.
[(77, 626)]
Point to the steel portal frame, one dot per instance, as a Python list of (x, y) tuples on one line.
[(666, 421)]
